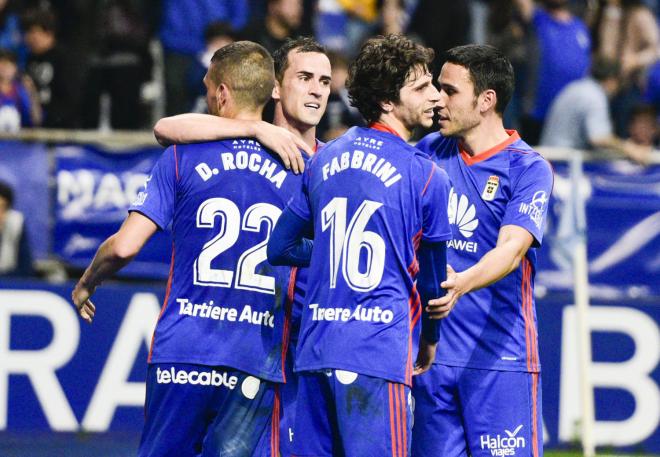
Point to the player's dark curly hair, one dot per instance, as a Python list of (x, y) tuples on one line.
[(300, 44), (489, 69), (380, 71)]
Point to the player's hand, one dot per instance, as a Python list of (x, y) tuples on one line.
[(439, 308), (81, 298), (425, 356), (285, 144)]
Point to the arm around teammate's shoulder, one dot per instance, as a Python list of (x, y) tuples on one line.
[(196, 128)]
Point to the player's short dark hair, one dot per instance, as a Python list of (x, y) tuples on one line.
[(247, 69), (42, 18), (301, 44), (380, 71), (603, 68), (7, 55), (7, 193), (489, 68)]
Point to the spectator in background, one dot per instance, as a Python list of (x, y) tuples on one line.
[(51, 68), (120, 64), (343, 25), (15, 254), (282, 20), (628, 32), (339, 115), (217, 35), (11, 37), (506, 31), (182, 35), (19, 106), (441, 25), (643, 125), (559, 53), (579, 117)]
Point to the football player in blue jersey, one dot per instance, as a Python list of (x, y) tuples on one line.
[(217, 353), (482, 397), (302, 87), (376, 208)]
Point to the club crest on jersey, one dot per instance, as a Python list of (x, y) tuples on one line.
[(491, 188)]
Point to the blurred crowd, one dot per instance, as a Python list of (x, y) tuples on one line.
[(588, 71)]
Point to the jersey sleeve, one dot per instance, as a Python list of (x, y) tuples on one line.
[(435, 200), (299, 203), (156, 199), (528, 206)]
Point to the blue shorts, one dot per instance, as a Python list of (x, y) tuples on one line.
[(343, 414), (463, 411), (288, 396), (197, 410)]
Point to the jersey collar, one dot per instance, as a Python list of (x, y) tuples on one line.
[(471, 160), (383, 128)]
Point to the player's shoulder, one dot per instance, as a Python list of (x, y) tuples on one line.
[(524, 158), (436, 145)]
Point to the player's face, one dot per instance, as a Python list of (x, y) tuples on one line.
[(418, 99), (305, 87), (459, 112), (211, 95)]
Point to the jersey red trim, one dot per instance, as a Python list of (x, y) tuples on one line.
[(383, 128), (428, 181), (471, 160), (290, 293), (176, 163), (162, 309)]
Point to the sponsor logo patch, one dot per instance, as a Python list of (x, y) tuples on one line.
[(491, 188)]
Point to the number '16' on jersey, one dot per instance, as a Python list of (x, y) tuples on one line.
[(371, 198)]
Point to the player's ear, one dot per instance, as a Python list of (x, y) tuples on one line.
[(487, 100), (276, 91), (387, 106), (222, 96)]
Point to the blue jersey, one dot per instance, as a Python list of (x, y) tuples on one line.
[(225, 304), (371, 198), (494, 327), (564, 56)]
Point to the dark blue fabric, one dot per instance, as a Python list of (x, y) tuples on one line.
[(286, 245), (432, 272)]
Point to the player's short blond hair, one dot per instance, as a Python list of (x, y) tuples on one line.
[(246, 68)]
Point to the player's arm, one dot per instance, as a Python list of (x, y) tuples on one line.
[(512, 244), (115, 253), (432, 272), (194, 127), (287, 245)]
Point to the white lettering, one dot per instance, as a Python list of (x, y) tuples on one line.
[(204, 171), (113, 389), (39, 365)]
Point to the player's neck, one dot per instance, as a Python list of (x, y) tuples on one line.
[(391, 121), (484, 137), (306, 132)]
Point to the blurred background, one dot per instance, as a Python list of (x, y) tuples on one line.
[(83, 81)]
